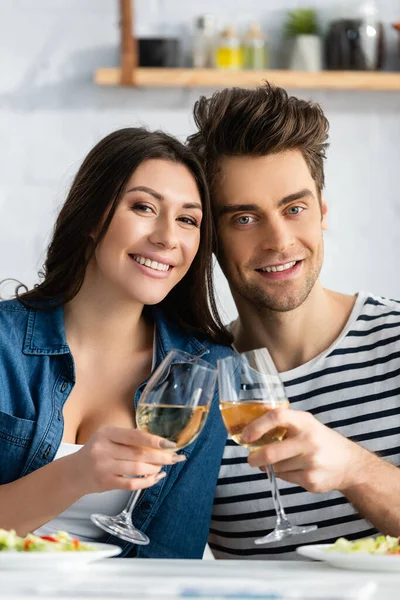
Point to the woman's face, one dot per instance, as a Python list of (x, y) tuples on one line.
[(154, 234)]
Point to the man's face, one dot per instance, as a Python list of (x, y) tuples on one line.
[(270, 223)]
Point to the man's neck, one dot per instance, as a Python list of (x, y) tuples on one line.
[(294, 337)]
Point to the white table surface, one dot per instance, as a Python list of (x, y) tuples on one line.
[(120, 579)]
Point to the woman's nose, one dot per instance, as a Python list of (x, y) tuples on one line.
[(164, 235)]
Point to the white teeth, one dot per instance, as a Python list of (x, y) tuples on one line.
[(279, 267), (151, 263)]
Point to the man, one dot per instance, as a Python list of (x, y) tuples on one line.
[(337, 354)]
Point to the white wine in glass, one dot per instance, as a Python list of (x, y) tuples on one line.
[(250, 387), (174, 405)]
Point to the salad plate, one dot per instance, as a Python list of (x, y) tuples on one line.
[(59, 550), (55, 559), (369, 554)]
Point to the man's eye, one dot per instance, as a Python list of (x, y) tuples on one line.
[(295, 210), (245, 220)]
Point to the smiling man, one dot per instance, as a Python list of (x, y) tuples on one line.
[(338, 355)]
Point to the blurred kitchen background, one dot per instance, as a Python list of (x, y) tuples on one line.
[(52, 112)]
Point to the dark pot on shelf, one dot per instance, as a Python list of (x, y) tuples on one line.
[(158, 52), (397, 28), (352, 44)]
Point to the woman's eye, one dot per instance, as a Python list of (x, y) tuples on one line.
[(188, 221), (245, 220), (142, 208), (295, 210)]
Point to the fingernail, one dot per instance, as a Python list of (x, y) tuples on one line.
[(167, 445), (177, 458), (245, 436), (160, 476)]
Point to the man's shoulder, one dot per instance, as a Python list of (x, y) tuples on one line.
[(380, 305)]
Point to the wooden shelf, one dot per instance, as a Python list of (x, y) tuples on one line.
[(332, 80)]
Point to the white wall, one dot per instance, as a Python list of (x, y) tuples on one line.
[(51, 114)]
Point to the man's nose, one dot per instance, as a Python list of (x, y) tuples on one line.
[(277, 236)]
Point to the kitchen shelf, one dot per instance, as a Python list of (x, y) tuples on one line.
[(332, 80)]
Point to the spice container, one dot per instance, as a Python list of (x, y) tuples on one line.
[(228, 53), (254, 49), (203, 42)]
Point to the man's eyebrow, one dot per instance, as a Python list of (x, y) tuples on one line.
[(296, 196), (233, 208), (158, 196)]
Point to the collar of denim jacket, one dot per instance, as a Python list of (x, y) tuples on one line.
[(45, 334)]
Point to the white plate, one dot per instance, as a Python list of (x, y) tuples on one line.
[(355, 561), (58, 560)]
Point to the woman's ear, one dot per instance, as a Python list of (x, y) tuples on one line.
[(324, 214)]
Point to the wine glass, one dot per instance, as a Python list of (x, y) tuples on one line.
[(174, 405), (249, 387)]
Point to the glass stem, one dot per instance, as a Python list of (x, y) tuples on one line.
[(282, 519), (133, 498)]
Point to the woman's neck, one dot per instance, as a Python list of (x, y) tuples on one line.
[(99, 319)]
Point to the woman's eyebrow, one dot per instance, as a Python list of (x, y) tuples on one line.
[(147, 190), (158, 196)]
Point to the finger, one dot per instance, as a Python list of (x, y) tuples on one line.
[(146, 455), (135, 437), (270, 454), (278, 417), (297, 463), (295, 477), (138, 483), (132, 468)]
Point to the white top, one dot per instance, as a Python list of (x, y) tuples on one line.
[(76, 518), (353, 387)]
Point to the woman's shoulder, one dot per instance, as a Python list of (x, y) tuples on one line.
[(13, 319), (9, 307)]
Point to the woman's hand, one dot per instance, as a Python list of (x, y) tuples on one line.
[(123, 459)]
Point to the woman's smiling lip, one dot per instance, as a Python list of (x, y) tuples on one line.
[(148, 270), (153, 256)]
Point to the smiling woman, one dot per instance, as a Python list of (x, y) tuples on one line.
[(127, 278)]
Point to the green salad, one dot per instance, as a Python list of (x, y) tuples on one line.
[(59, 542), (383, 544)]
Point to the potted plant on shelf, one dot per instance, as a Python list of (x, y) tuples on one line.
[(301, 28)]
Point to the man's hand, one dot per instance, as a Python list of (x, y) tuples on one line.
[(311, 455)]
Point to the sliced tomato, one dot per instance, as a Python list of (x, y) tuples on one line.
[(49, 538), (27, 544), (76, 544)]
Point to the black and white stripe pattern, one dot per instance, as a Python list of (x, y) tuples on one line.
[(354, 388)]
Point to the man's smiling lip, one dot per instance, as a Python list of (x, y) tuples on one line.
[(290, 270)]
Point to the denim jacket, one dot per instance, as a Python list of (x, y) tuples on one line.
[(37, 374)]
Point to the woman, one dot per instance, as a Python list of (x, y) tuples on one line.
[(126, 279)]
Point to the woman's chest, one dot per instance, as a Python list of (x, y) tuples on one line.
[(102, 397)]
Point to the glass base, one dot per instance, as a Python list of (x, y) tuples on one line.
[(120, 527), (283, 531)]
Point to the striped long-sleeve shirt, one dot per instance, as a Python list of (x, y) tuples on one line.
[(354, 388)]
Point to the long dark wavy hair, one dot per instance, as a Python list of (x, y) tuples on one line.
[(93, 198)]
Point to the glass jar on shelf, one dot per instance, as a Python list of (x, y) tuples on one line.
[(228, 51), (203, 42), (255, 52)]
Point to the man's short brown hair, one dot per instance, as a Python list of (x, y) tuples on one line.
[(257, 122)]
